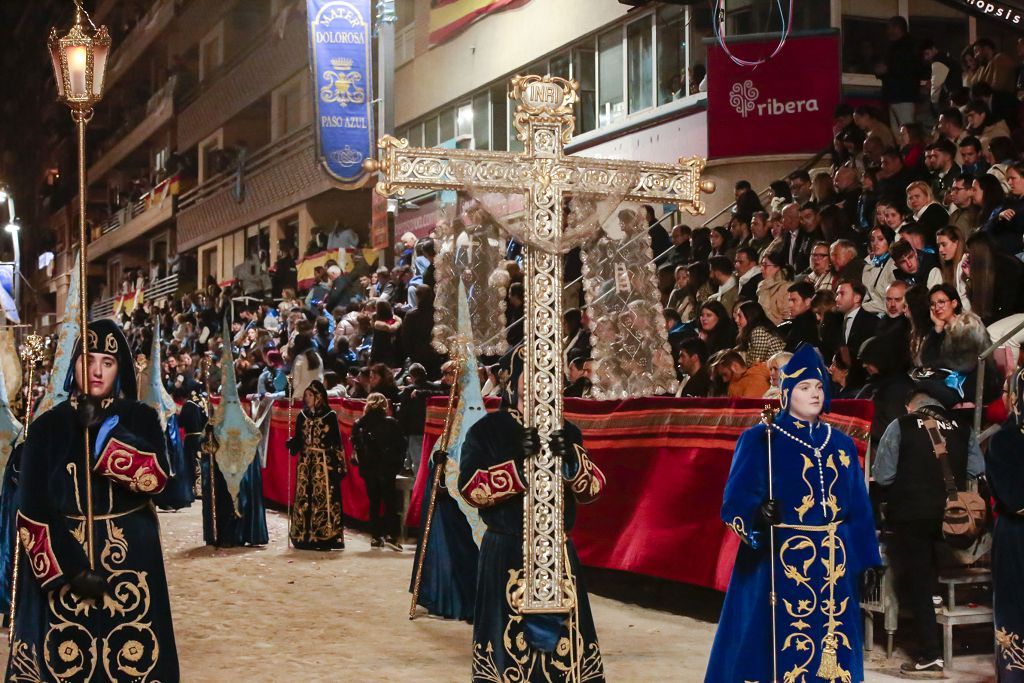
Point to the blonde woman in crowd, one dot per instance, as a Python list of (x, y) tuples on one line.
[(775, 365)]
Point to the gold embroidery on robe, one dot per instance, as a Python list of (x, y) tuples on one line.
[(1011, 650), (316, 511)]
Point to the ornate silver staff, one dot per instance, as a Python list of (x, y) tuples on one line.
[(435, 484), (290, 493)]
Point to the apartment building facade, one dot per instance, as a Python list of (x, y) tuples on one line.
[(221, 116)]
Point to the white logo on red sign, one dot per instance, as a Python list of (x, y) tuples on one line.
[(743, 96)]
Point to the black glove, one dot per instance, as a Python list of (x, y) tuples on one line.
[(440, 457), (530, 442), (871, 581), (562, 449), (769, 513), (294, 445), (89, 412), (90, 585)]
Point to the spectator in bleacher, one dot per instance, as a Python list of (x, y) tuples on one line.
[(772, 291), (912, 266), (682, 299), (748, 273), (760, 234), (999, 71), (800, 187), (972, 160), (866, 118), (879, 269), (693, 358), (680, 254), (1006, 222), (792, 236), (849, 325), (801, 326), (946, 75), (928, 214), (952, 250), (758, 337), (901, 73), (895, 321), (386, 347), (996, 279), (894, 176), (715, 327), (964, 214), (660, 242), (721, 243), (727, 290), (739, 230), (982, 124), (940, 160), (742, 381), (820, 274), (845, 260), (306, 364), (912, 144), (775, 365)]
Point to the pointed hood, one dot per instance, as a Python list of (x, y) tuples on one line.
[(69, 329)]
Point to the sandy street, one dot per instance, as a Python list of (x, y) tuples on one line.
[(281, 615)]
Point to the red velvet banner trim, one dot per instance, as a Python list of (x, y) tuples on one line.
[(35, 538), (138, 470)]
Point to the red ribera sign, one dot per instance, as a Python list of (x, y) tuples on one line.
[(783, 106)]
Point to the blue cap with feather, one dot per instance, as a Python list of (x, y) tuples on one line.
[(806, 363)]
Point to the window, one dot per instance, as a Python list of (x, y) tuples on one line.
[(210, 264), (211, 52), (671, 53), (559, 65), (208, 153), (415, 135), (446, 125), (464, 121), (482, 121), (583, 70), (699, 29), (612, 105), (288, 107), (744, 17), (499, 119), (640, 74), (863, 44), (430, 133)]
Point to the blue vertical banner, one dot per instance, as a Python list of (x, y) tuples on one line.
[(340, 41)]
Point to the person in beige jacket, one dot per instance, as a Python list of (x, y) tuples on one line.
[(771, 292)]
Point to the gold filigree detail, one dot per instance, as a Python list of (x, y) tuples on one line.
[(1011, 649)]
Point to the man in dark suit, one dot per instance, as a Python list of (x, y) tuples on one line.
[(748, 273), (802, 325), (849, 325)]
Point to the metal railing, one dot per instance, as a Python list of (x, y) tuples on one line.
[(979, 389), (158, 289), (763, 194), (262, 159)]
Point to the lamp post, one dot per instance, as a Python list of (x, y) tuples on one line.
[(79, 65)]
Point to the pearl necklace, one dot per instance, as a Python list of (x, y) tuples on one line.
[(817, 456)]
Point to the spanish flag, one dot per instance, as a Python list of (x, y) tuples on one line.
[(449, 17)]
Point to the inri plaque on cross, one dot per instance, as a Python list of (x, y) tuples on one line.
[(547, 177)]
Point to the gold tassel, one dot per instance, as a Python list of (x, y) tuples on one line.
[(829, 669)]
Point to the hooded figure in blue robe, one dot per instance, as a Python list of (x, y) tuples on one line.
[(824, 541), (1004, 465), (508, 646), (106, 617)]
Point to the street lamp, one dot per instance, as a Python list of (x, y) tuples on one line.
[(79, 65)]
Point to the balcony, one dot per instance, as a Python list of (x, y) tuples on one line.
[(135, 220), (139, 39), (272, 57), (272, 179), (158, 112), (153, 291)]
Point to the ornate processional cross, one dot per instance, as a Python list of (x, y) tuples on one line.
[(545, 122)]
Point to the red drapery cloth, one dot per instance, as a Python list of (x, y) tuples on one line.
[(666, 461)]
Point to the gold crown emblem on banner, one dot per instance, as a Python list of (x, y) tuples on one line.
[(341, 63)]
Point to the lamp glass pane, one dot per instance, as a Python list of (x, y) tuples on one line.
[(57, 71), (99, 69), (77, 59)]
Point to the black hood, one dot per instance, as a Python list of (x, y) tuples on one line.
[(105, 336)]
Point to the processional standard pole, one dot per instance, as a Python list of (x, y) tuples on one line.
[(79, 63), (547, 176)]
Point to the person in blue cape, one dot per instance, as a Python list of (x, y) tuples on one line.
[(508, 646), (824, 542), (104, 617), (1004, 465), (448, 581)]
